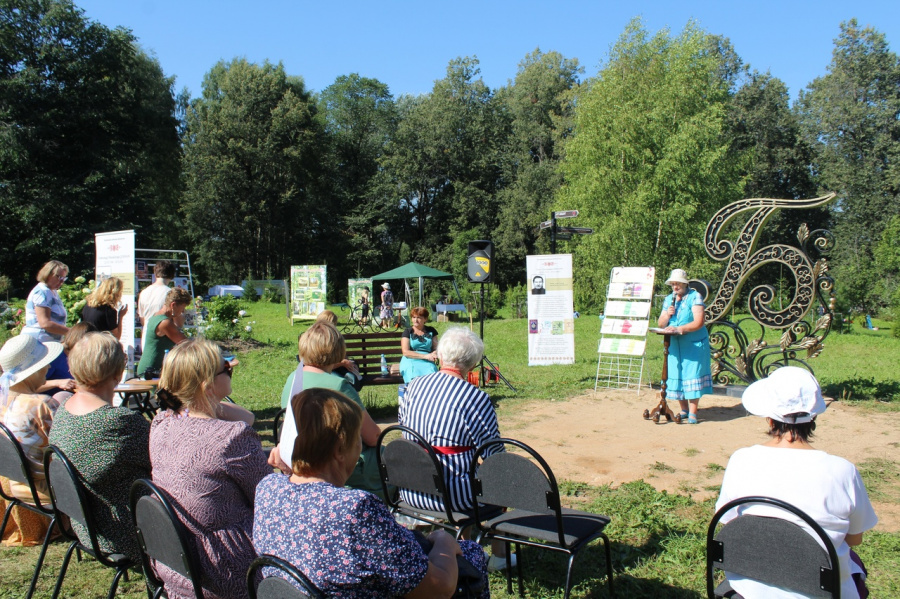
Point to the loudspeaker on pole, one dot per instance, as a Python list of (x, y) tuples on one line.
[(481, 254)]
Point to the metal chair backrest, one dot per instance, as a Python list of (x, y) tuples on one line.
[(162, 535), (514, 481), (14, 466), (410, 464), (773, 550), (276, 587)]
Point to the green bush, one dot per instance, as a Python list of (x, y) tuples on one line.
[(249, 291), (74, 298), (273, 294), (223, 319)]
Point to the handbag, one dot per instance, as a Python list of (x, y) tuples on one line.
[(470, 583)]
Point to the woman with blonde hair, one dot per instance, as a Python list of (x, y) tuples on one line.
[(45, 314), (161, 330), (207, 457), (321, 348), (106, 444), (103, 307)]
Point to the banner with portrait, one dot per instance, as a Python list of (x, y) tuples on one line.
[(115, 258), (307, 291), (551, 313)]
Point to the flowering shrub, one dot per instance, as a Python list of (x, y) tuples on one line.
[(74, 298), (222, 319), (12, 317)]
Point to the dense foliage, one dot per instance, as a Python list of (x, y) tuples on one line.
[(259, 172)]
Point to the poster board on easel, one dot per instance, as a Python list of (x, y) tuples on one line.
[(308, 287), (623, 334)]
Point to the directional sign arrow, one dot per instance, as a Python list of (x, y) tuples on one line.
[(575, 230), (545, 225), (566, 214)]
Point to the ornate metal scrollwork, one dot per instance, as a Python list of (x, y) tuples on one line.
[(736, 355)]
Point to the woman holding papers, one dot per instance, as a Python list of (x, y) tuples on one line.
[(689, 371)]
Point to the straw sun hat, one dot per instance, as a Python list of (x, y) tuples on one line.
[(23, 355), (678, 276)]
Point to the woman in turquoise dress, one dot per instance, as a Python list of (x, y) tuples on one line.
[(689, 369), (419, 345)]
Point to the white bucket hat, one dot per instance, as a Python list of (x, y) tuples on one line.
[(788, 390), (678, 276), (385, 285), (23, 355)]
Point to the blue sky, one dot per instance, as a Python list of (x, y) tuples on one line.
[(407, 44)]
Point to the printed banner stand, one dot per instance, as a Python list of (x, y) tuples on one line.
[(623, 335), (115, 258), (307, 292), (551, 316)]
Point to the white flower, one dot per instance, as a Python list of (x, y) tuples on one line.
[(248, 328), (242, 313), (235, 321)]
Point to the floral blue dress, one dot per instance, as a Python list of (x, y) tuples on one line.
[(690, 376), (344, 540)]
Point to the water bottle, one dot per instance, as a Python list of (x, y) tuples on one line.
[(384, 366)]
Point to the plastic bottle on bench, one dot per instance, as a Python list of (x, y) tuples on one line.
[(384, 366)]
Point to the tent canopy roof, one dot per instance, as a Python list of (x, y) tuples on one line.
[(413, 270)]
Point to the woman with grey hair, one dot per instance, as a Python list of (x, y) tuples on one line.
[(454, 417)]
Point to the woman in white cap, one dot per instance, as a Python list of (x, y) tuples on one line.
[(28, 415), (683, 317), (387, 301), (787, 467)]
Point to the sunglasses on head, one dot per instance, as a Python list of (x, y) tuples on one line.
[(226, 369)]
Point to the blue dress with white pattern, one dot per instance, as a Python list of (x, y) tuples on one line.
[(690, 375)]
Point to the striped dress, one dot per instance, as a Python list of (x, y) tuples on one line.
[(449, 412)]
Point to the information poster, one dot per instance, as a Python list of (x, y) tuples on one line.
[(115, 258), (359, 294), (551, 322), (307, 291)]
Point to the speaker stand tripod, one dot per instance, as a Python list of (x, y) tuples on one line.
[(490, 368)]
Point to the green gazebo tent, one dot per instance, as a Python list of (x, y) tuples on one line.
[(414, 270)]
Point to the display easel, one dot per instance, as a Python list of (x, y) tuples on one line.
[(623, 334)]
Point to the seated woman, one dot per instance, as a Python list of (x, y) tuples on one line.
[(828, 488), (106, 444), (419, 345), (345, 540), (60, 383), (455, 417), (28, 414), (102, 309), (209, 460), (162, 330), (345, 368), (320, 348)]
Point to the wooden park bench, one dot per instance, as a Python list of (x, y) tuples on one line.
[(366, 349)]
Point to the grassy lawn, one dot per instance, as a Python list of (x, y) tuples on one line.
[(658, 538)]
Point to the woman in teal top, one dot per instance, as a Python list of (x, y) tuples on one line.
[(419, 346), (320, 348), (162, 332), (683, 317)]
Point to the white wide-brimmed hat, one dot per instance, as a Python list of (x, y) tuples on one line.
[(678, 276), (385, 285), (23, 355), (788, 390)]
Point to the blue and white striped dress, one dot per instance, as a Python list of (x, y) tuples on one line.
[(449, 412)]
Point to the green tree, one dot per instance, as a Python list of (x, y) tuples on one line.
[(649, 163), (851, 118), (540, 106), (251, 174), (88, 137), (442, 167), (360, 118)]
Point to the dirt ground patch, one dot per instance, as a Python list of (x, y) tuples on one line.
[(601, 438)]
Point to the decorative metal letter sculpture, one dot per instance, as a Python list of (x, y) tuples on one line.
[(734, 354)]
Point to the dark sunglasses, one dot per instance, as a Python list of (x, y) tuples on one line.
[(227, 369)]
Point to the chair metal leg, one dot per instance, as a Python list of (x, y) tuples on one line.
[(40, 561), (569, 566), (9, 507), (609, 568), (63, 568), (115, 582)]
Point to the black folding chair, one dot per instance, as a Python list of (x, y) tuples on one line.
[(70, 498), (773, 551), (413, 465), (276, 587), (14, 466), (277, 423), (536, 517), (163, 537)]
